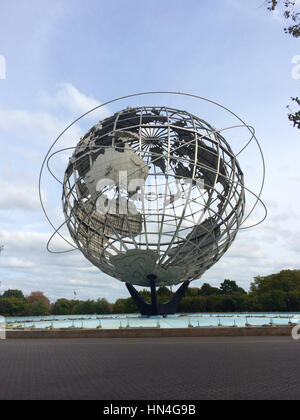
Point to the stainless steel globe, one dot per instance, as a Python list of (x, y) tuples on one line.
[(153, 192)]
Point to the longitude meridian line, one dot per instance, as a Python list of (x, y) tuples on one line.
[(157, 205), (166, 179)]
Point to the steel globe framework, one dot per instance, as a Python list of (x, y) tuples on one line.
[(153, 196)]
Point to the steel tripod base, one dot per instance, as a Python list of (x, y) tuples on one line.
[(156, 308)]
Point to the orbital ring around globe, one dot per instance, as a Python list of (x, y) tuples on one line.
[(189, 166)]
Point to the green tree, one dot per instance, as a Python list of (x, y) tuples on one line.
[(229, 286), (146, 295), (213, 303), (164, 294), (276, 300), (102, 307), (13, 307), (125, 306), (63, 307), (5, 307), (13, 293), (39, 308), (192, 291), (208, 290), (293, 301), (84, 307), (190, 304), (241, 302), (286, 281), (226, 303)]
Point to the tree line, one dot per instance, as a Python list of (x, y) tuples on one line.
[(278, 292)]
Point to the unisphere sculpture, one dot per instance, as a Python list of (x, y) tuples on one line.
[(153, 196)]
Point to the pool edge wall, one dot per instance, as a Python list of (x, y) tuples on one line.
[(154, 332)]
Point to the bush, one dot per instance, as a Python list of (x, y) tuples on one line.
[(275, 301), (193, 304), (13, 307), (39, 308), (293, 301), (102, 307), (63, 307), (125, 306), (82, 307)]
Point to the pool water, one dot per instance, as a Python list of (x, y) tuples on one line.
[(114, 321)]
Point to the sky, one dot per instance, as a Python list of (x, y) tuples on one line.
[(61, 58)]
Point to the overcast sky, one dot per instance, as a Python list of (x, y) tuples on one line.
[(66, 56)]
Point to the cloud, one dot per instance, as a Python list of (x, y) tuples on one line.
[(19, 241), (22, 196), (29, 124), (15, 263), (71, 100), (59, 110), (293, 241), (38, 127), (32, 132), (26, 264), (295, 179)]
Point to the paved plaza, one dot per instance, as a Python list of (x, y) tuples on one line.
[(153, 368)]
